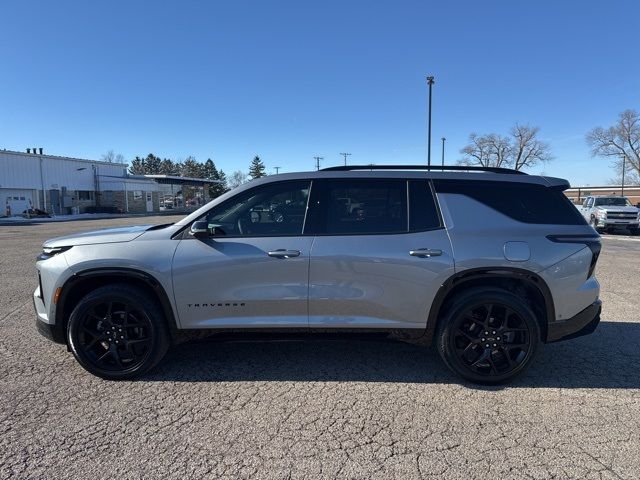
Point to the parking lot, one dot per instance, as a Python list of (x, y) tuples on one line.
[(338, 408)]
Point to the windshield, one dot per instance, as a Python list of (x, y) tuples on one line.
[(612, 202)]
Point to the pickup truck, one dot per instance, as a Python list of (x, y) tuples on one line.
[(610, 213)]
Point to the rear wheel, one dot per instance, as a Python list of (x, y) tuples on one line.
[(117, 332), (488, 336)]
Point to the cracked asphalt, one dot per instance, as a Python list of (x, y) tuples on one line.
[(341, 407)]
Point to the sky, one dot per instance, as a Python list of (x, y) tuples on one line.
[(290, 80)]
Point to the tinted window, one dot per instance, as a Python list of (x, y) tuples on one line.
[(365, 206), (270, 210), (528, 203), (423, 213), (612, 202)]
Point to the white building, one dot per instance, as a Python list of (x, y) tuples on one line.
[(64, 185)]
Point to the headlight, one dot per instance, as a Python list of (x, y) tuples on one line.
[(601, 214), (48, 252)]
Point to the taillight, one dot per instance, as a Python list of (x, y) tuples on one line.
[(591, 241)]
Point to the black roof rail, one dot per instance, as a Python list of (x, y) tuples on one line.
[(457, 168)]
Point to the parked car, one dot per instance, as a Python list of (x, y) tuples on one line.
[(611, 212), (485, 263)]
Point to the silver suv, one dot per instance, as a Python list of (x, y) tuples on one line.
[(485, 263)]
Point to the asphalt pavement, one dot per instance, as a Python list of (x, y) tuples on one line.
[(352, 407)]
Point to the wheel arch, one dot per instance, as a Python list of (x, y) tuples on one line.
[(81, 283), (523, 283)]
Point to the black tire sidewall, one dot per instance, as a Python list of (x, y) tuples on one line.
[(135, 297), (464, 302)]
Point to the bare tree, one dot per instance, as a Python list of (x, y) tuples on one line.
[(522, 149), (491, 150), (112, 157), (620, 140), (527, 150), (236, 179)]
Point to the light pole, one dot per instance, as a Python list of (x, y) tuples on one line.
[(624, 167), (317, 159), (345, 155), (430, 82), (443, 140)]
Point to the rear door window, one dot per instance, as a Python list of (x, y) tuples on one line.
[(364, 206), (423, 212)]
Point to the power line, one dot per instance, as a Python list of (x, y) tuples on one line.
[(317, 159), (277, 169)]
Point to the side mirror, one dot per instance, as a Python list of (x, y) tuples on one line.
[(199, 229)]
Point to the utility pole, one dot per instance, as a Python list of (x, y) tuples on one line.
[(277, 169), (443, 140), (317, 159), (345, 155), (430, 82)]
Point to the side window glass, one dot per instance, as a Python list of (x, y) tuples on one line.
[(590, 202), (423, 213), (367, 206), (271, 210)]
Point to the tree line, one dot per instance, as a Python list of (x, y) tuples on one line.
[(190, 167)]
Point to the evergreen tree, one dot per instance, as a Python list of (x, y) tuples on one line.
[(168, 167), (145, 166), (257, 168), (191, 168), (212, 173), (137, 166)]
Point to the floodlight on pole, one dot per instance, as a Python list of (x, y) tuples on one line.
[(430, 82)]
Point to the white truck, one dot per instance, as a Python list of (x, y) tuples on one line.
[(608, 213)]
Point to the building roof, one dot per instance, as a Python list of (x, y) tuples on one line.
[(46, 155), (603, 187), (175, 179)]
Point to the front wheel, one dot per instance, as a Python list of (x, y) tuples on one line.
[(117, 332), (488, 336)]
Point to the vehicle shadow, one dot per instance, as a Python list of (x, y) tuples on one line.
[(609, 358)]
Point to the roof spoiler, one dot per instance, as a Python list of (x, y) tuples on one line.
[(559, 184)]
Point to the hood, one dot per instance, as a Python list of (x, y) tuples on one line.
[(109, 235), (612, 208)]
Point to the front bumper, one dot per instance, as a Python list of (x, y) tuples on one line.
[(48, 330), (581, 324), (609, 223)]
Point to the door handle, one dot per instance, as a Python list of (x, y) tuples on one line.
[(425, 252), (282, 253)]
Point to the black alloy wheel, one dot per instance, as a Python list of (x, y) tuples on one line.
[(489, 337), (117, 332)]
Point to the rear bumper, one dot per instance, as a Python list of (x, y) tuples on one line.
[(583, 323)]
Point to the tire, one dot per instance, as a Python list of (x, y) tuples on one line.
[(117, 332), (488, 336)]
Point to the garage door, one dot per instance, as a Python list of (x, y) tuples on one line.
[(14, 202)]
